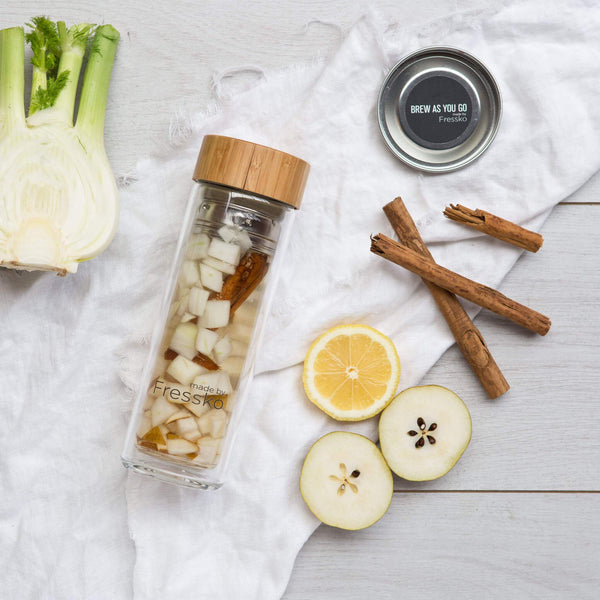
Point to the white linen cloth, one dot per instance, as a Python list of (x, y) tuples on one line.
[(63, 525)]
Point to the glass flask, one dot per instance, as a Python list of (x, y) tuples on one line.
[(195, 383)]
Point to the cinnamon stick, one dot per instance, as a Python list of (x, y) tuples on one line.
[(248, 274), (453, 282), (467, 336), (170, 354), (495, 226), (205, 361)]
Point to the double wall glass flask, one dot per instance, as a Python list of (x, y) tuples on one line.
[(200, 366)]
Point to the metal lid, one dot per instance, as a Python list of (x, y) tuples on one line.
[(251, 167), (439, 109)]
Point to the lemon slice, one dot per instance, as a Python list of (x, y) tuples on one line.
[(351, 372)]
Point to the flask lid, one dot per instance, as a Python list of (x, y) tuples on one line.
[(251, 167), (439, 109)]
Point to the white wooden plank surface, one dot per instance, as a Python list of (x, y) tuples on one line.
[(460, 546), (542, 436)]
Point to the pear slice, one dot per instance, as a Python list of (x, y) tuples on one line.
[(188, 429), (197, 300), (212, 423), (161, 410), (182, 413), (424, 431), (219, 265), (171, 427), (184, 370), (145, 423), (156, 436), (223, 349), (218, 421), (216, 314), (209, 448), (229, 253), (237, 236), (188, 274), (179, 447), (184, 339), (345, 481), (197, 247)]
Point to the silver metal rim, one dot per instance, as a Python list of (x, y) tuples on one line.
[(493, 104)]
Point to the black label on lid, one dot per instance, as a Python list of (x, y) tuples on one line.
[(439, 112)]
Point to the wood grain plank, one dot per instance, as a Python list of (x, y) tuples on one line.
[(544, 434), (459, 547), (586, 195)]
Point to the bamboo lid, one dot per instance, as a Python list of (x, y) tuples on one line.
[(253, 168)]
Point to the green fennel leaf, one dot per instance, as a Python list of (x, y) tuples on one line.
[(81, 34), (45, 44), (45, 98)]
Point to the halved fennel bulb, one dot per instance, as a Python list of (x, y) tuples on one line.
[(58, 197)]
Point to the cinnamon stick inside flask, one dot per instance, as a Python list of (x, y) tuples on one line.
[(467, 336), (497, 227), (248, 274), (461, 286), (205, 361)]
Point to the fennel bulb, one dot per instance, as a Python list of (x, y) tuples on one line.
[(59, 202)]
